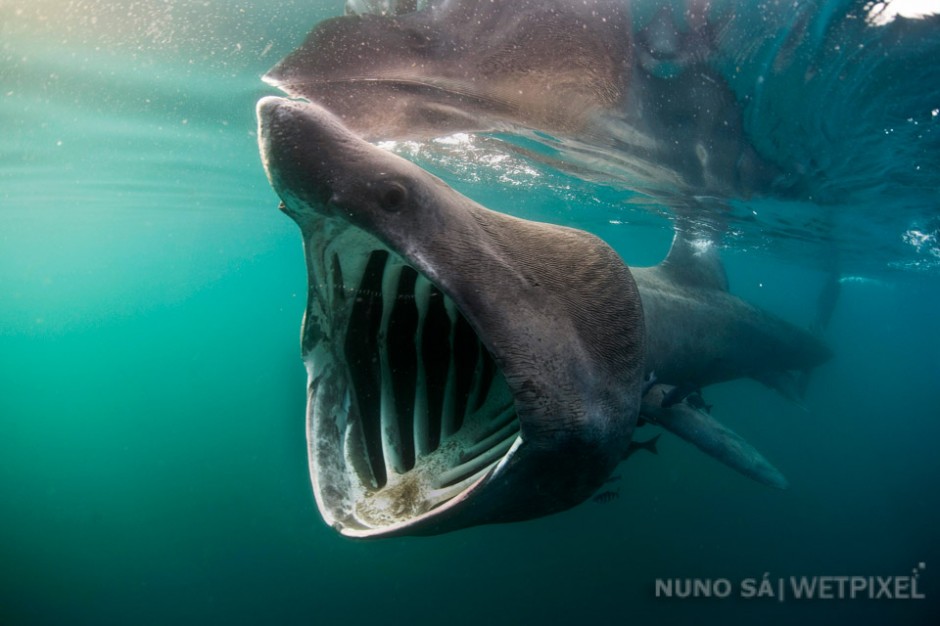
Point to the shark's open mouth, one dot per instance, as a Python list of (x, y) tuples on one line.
[(407, 410), (461, 370)]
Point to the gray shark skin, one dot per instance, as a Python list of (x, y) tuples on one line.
[(699, 334), (635, 102), (461, 370), (465, 65), (711, 437), (468, 367)]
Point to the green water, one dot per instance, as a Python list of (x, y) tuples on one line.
[(152, 455)]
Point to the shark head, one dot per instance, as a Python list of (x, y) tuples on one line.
[(464, 366)]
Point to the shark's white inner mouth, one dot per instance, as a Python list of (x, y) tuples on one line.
[(407, 410)]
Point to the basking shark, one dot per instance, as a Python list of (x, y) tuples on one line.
[(468, 367), (700, 334), (461, 371), (626, 96)]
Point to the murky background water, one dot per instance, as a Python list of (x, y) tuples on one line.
[(152, 454)]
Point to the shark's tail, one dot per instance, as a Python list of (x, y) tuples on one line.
[(828, 296), (826, 303)]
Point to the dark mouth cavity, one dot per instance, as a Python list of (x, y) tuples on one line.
[(426, 411), (383, 348)]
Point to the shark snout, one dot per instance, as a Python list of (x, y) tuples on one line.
[(300, 143)]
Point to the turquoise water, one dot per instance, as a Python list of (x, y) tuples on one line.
[(152, 456)]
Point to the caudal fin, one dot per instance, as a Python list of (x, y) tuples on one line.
[(826, 302)]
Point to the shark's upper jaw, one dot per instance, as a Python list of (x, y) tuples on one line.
[(461, 370)]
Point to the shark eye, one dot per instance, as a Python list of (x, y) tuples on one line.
[(392, 197)]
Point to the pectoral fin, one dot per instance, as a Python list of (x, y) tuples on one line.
[(711, 437)]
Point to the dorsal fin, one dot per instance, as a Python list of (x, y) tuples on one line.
[(694, 263)]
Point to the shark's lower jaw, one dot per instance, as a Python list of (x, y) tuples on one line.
[(407, 412)]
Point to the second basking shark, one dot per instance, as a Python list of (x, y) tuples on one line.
[(468, 367)]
